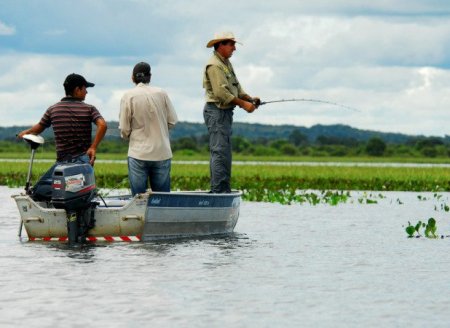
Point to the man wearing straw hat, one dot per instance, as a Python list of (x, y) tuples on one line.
[(223, 93)]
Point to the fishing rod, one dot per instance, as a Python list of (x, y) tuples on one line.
[(309, 100)]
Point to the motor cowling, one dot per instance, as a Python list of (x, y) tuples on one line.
[(73, 186), (73, 189)]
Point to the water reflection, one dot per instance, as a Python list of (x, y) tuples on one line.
[(163, 247), (84, 253)]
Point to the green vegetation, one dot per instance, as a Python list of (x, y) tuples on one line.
[(266, 182), (298, 145), (293, 147), (262, 182), (429, 228)]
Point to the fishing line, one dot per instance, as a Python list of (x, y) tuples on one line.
[(309, 100), (278, 101), (120, 184)]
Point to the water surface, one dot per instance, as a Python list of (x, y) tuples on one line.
[(349, 265)]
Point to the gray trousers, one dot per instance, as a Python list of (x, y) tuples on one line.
[(219, 121)]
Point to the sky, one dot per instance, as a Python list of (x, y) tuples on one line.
[(390, 59)]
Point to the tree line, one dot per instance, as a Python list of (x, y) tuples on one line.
[(298, 144), (295, 143)]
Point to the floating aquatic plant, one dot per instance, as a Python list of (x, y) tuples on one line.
[(430, 229), (364, 199), (410, 230)]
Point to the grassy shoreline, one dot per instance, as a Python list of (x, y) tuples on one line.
[(265, 177), (180, 156)]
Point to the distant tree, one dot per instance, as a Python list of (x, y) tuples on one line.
[(429, 151), (375, 146), (333, 140), (277, 144), (240, 144), (429, 142), (203, 140), (297, 138), (185, 143), (289, 149), (261, 141), (114, 146)]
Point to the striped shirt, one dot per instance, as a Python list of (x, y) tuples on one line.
[(71, 120)]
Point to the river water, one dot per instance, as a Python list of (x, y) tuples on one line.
[(349, 265)]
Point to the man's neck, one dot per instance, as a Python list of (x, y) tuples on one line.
[(70, 97), (221, 57)]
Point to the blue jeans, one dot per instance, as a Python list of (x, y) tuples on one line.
[(42, 190), (139, 172)]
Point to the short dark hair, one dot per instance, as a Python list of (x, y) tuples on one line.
[(141, 73)]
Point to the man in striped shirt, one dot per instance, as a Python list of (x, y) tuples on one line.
[(71, 119)]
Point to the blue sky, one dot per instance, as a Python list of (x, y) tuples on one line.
[(389, 59)]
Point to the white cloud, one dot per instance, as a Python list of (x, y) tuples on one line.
[(388, 58), (414, 101), (6, 30), (315, 41)]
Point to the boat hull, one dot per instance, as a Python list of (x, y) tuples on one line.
[(146, 216), (190, 214)]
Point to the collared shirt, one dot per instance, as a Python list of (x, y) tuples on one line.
[(220, 82), (146, 115), (71, 120)]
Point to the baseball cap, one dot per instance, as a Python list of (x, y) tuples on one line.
[(75, 80)]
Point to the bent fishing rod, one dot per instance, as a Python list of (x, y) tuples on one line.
[(308, 100)]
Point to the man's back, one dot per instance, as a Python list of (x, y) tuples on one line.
[(145, 117), (71, 120)]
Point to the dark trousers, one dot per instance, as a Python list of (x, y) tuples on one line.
[(218, 122)]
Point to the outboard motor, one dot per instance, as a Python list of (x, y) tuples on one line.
[(73, 188)]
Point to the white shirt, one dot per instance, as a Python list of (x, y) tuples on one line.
[(146, 115)]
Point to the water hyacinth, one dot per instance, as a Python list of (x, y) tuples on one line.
[(429, 229)]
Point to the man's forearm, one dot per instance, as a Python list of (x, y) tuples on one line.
[(101, 131), (35, 129)]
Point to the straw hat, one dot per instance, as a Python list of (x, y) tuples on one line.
[(221, 36)]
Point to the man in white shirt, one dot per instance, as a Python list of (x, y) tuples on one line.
[(146, 115)]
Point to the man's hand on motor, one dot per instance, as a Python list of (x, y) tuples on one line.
[(91, 153)]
